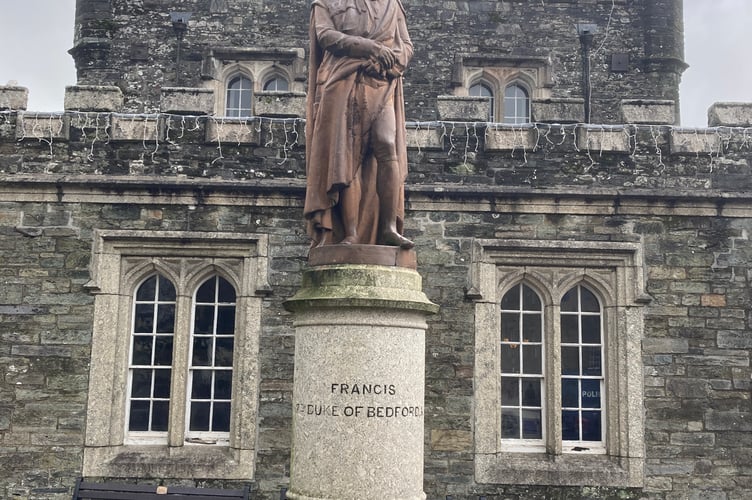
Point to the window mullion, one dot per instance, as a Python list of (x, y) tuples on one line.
[(552, 332), (180, 369)]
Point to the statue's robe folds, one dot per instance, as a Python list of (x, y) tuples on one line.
[(345, 95)]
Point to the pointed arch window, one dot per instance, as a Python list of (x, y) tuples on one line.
[(276, 83), (522, 389), (150, 367), (516, 104), (582, 373), (558, 381), (173, 312), (239, 101), (482, 89), (212, 349)]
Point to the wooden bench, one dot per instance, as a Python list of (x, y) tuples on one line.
[(114, 491)]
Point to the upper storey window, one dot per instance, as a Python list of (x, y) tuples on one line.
[(516, 104), (510, 82), (239, 97), (276, 84), (483, 89), (239, 75)]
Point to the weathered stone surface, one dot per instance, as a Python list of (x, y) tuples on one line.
[(730, 114), (281, 104), (187, 101), (558, 110), (466, 108), (93, 98), (13, 97), (653, 112)]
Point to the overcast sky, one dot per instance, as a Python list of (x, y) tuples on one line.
[(36, 35)]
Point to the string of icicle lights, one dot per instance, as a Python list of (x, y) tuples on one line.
[(458, 139)]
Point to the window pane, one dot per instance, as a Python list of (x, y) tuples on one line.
[(531, 392), (531, 359), (202, 384), (591, 393), (569, 301), (589, 301), (532, 427), (204, 320), (160, 415), (510, 327), (591, 361), (139, 416), (277, 84), (530, 299), (165, 318), (142, 345), (144, 318), (225, 320), (162, 383), (163, 350), (223, 351), (202, 347), (147, 290), (510, 358), (570, 389), (205, 293), (223, 384), (570, 425), (166, 290), (531, 327), (199, 416), (141, 384), (510, 391), (570, 361), (591, 425), (569, 329), (221, 417), (511, 299), (591, 329), (226, 291), (510, 423)]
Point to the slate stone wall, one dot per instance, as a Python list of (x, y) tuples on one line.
[(133, 45), (684, 196)]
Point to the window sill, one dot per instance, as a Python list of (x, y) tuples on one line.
[(563, 470), (155, 461)]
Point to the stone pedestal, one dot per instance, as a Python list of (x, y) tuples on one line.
[(359, 376)]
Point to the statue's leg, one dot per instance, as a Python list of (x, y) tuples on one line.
[(349, 205), (388, 181)]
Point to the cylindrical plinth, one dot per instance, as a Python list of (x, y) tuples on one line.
[(359, 383)]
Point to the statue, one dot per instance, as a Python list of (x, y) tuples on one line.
[(356, 157)]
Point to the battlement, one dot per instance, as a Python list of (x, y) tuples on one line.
[(92, 137)]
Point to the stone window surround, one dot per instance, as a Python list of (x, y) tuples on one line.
[(221, 64), (534, 74), (120, 261), (615, 271)]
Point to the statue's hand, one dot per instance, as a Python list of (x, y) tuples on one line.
[(385, 56)]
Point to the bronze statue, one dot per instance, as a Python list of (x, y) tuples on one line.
[(356, 158)]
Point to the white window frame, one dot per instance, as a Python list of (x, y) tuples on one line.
[(614, 272), (120, 262)]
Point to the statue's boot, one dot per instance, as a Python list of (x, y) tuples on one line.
[(388, 187)]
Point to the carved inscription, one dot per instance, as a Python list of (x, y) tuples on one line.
[(356, 400)]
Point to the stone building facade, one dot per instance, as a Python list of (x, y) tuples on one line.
[(620, 246)]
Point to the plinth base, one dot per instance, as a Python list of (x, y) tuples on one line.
[(358, 395)]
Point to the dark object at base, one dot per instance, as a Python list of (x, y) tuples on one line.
[(376, 255)]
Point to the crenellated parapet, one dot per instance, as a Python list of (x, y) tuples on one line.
[(184, 140)]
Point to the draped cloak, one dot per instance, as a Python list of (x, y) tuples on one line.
[(344, 100)]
